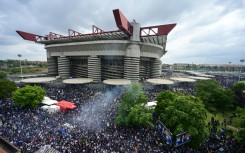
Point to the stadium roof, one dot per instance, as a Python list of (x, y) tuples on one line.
[(182, 79), (38, 80), (206, 75), (111, 35), (77, 81), (198, 78), (159, 81), (117, 82)]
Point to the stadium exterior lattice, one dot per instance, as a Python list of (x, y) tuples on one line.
[(132, 52)]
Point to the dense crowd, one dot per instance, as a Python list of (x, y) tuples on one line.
[(92, 125), (227, 81)]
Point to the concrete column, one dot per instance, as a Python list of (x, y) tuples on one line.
[(132, 57), (94, 68), (131, 63), (131, 68), (156, 68), (145, 69), (136, 32), (64, 67), (79, 67), (52, 66)]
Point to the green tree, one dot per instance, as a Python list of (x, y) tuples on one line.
[(13, 63), (238, 89), (6, 88), (212, 94), (223, 99), (205, 88), (3, 75), (241, 133), (14, 70), (29, 96), (239, 86), (132, 111), (139, 115), (167, 96), (180, 113)]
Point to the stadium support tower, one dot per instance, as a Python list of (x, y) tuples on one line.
[(132, 52)]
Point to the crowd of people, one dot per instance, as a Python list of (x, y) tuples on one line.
[(92, 127), (227, 81)]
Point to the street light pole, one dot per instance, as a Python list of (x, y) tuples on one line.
[(229, 70), (19, 55), (229, 66)]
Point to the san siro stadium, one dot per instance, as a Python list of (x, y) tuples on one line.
[(132, 52)]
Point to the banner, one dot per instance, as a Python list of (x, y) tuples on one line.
[(165, 132), (182, 138)]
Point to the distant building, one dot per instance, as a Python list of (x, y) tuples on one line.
[(180, 66)]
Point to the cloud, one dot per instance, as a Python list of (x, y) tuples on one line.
[(206, 31), (208, 37), (27, 50)]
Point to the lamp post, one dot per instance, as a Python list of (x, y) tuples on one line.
[(229, 70), (229, 66), (19, 55), (242, 60)]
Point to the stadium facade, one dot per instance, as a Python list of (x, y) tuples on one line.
[(132, 52)]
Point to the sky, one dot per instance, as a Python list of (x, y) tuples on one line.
[(207, 31)]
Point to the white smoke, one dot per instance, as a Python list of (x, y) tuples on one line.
[(98, 112)]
